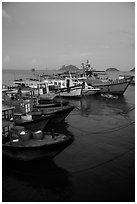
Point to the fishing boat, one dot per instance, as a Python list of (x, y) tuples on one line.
[(64, 87), (116, 87), (38, 146)]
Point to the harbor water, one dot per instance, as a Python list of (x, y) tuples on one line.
[(99, 166)]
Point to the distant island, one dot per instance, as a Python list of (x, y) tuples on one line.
[(70, 68), (112, 69), (132, 70)]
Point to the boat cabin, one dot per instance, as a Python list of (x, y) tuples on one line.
[(7, 112), (6, 127), (23, 106)]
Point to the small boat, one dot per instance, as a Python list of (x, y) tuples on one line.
[(89, 90), (39, 146)]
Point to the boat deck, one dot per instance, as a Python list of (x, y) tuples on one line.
[(48, 139)]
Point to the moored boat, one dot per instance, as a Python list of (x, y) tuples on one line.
[(38, 147), (100, 79), (65, 87), (116, 87)]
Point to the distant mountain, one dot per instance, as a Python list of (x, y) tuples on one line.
[(112, 69), (70, 68), (132, 70)]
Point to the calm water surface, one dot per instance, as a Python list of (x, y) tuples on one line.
[(98, 166)]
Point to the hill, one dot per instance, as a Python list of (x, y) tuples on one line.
[(112, 69), (132, 70), (70, 68)]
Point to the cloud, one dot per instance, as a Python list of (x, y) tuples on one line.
[(6, 59), (5, 15)]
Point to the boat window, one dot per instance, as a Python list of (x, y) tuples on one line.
[(3, 115), (6, 114), (27, 107), (5, 130)]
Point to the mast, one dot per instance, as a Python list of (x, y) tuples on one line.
[(88, 67), (82, 65)]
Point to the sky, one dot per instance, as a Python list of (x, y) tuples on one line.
[(47, 35)]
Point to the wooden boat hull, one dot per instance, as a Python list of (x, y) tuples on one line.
[(89, 92), (34, 125), (48, 96), (50, 105), (73, 92), (40, 152), (117, 88), (60, 113)]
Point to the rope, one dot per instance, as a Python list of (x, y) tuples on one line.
[(103, 163), (129, 110), (105, 131)]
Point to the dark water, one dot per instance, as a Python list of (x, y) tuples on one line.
[(99, 166)]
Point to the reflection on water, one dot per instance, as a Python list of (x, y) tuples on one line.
[(60, 128), (41, 175), (98, 105)]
